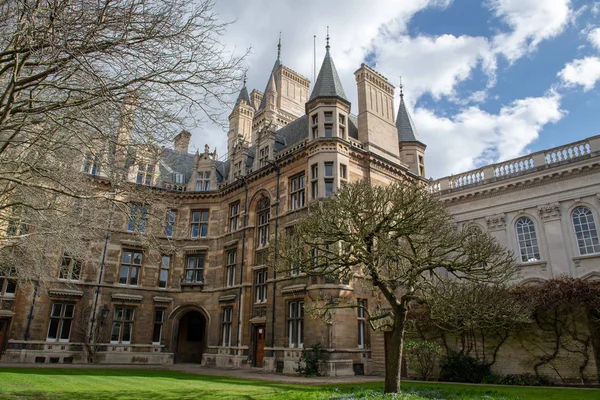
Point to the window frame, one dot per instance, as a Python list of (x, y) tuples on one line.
[(314, 181), (226, 326), (60, 319), (156, 324), (203, 181), (67, 267), (362, 323), (295, 323), (164, 269), (130, 267), (138, 218), (145, 174), (260, 286), (587, 238), (298, 191), (199, 224), (230, 267), (197, 268), (527, 240), (122, 322), (234, 216), (170, 225), (7, 282), (90, 164)]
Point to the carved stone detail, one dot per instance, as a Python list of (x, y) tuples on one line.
[(496, 222), (549, 211)]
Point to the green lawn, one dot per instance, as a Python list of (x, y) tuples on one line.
[(106, 384)]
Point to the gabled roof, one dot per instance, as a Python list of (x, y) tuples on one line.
[(404, 124), (328, 82), (173, 161)]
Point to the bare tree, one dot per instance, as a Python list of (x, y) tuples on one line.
[(400, 240), (86, 88)]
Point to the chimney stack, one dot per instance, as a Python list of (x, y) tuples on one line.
[(182, 142)]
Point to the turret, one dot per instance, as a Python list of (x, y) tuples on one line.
[(412, 150), (240, 120)]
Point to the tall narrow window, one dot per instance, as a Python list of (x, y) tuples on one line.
[(329, 179), (263, 157), (314, 179), (131, 264), (199, 223), (90, 164), (362, 326), (226, 323), (263, 218), (343, 172), (295, 319), (61, 319), (194, 271), (163, 275), (138, 218), (203, 182), (230, 268), (586, 232), (122, 326), (145, 174), (297, 197), (70, 269), (8, 285), (528, 244), (170, 227), (17, 222), (342, 126), (260, 286), (234, 216), (159, 317)]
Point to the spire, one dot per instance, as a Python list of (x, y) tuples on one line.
[(244, 94), (328, 82), (276, 67), (404, 123)]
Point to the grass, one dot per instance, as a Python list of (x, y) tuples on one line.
[(107, 384)]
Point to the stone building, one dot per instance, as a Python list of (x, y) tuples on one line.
[(214, 301)]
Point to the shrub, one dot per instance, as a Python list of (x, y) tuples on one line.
[(421, 356), (457, 367), (524, 380), (310, 363)]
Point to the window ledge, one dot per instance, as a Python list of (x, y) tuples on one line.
[(586, 256), (186, 283), (537, 263)]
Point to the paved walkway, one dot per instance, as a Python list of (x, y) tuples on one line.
[(245, 373)]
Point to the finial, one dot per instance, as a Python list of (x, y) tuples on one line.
[(245, 78), (279, 47), (401, 92), (327, 47)]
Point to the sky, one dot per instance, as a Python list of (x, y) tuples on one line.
[(484, 81)]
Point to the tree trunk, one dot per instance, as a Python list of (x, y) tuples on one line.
[(594, 327), (394, 344)]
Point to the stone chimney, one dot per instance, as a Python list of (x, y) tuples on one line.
[(182, 142)]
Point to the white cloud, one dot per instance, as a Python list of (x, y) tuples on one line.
[(531, 21), (594, 37), (584, 72), (474, 136), (432, 64)]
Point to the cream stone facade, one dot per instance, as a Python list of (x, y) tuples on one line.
[(214, 301)]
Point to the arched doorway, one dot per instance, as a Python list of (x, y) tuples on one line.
[(191, 338)]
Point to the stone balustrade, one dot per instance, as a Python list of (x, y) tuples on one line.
[(518, 166)]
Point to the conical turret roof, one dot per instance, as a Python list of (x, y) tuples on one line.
[(244, 96), (404, 123), (328, 82)]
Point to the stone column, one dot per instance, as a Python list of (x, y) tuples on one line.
[(557, 255)]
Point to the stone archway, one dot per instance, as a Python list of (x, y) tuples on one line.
[(191, 337)]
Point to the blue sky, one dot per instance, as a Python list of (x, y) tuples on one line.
[(485, 81)]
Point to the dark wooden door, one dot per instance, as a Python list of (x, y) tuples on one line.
[(259, 348), (3, 333)]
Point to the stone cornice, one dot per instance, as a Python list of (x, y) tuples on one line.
[(65, 293)]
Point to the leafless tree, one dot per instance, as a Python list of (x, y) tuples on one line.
[(400, 240), (95, 83)]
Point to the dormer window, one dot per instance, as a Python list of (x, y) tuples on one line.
[(263, 157), (90, 164), (145, 173), (203, 183), (178, 178)]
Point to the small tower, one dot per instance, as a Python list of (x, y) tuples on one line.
[(376, 128), (240, 119), (412, 150), (328, 111)]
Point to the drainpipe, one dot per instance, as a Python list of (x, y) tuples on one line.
[(30, 316), (101, 273), (241, 293), (278, 170)]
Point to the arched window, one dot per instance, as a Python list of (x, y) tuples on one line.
[(585, 231), (528, 244), (263, 216)]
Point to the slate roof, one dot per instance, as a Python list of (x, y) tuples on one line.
[(328, 82), (174, 161), (244, 96), (263, 101), (404, 124)]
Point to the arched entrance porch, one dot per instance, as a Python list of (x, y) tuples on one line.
[(190, 338)]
